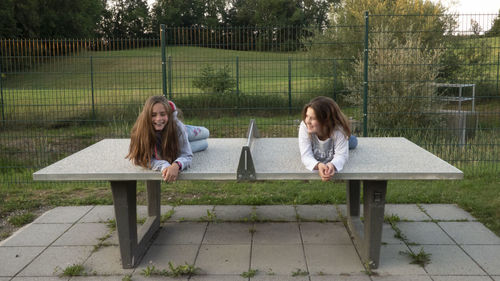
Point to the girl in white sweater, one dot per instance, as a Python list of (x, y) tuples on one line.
[(324, 137)]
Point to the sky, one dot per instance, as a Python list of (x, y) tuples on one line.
[(472, 6)]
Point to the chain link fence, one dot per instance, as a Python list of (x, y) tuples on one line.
[(437, 87)]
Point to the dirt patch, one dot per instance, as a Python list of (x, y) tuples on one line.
[(7, 229)]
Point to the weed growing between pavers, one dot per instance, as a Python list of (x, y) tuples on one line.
[(127, 277), (175, 271), (299, 272), (165, 217), (249, 274), (72, 270), (421, 258)]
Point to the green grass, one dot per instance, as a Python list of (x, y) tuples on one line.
[(477, 194)]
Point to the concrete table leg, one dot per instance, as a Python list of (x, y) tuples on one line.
[(367, 235), (124, 199), (125, 202)]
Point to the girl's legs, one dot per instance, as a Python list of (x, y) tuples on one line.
[(197, 133), (198, 145), (353, 142)]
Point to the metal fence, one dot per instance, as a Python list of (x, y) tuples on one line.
[(437, 87)]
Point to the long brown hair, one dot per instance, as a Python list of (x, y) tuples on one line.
[(329, 115), (143, 137)]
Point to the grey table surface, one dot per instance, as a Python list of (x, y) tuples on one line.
[(274, 158)]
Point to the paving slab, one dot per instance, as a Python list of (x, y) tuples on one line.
[(35, 234), (317, 213), (223, 259), (461, 278), (449, 260), (406, 212), (263, 277), (69, 214), (324, 233), (363, 277), (496, 278), (332, 259), (470, 233), (40, 279), (100, 278), (13, 259), (160, 256), (229, 233), (487, 256), (277, 233), (394, 263), (446, 212), (140, 277), (279, 259), (218, 278), (181, 233), (234, 213), (402, 278), (424, 233), (191, 212), (388, 235), (106, 261), (83, 234), (99, 214), (55, 259), (284, 213)]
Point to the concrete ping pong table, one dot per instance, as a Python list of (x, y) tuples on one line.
[(373, 162)]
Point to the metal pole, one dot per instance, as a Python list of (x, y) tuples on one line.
[(163, 60), (92, 86), (365, 80), (237, 84), (498, 70), (170, 77), (289, 85), (1, 93), (334, 79)]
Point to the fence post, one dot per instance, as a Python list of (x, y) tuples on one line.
[(1, 94), (289, 85), (163, 60), (334, 79), (237, 84), (498, 70), (169, 77), (365, 80), (92, 86)]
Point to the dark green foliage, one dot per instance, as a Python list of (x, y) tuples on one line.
[(215, 81)]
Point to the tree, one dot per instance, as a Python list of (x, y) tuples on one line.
[(475, 27), (8, 27), (129, 18), (346, 31), (495, 28), (177, 13), (69, 19)]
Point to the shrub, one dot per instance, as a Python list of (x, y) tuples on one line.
[(213, 81), (400, 77)]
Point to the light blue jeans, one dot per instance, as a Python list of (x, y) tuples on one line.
[(353, 142), (197, 137)]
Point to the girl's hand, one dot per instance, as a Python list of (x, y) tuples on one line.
[(170, 173), (326, 172)]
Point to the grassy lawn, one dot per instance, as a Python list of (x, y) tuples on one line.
[(476, 194)]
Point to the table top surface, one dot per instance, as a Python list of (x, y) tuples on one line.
[(274, 159)]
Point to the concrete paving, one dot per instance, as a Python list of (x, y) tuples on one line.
[(299, 243)]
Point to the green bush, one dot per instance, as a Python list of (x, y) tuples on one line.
[(214, 81), (401, 75)]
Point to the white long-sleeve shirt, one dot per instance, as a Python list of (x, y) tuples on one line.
[(185, 155), (313, 150)]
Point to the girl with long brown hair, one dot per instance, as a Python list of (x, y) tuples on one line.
[(159, 140), (324, 137)]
